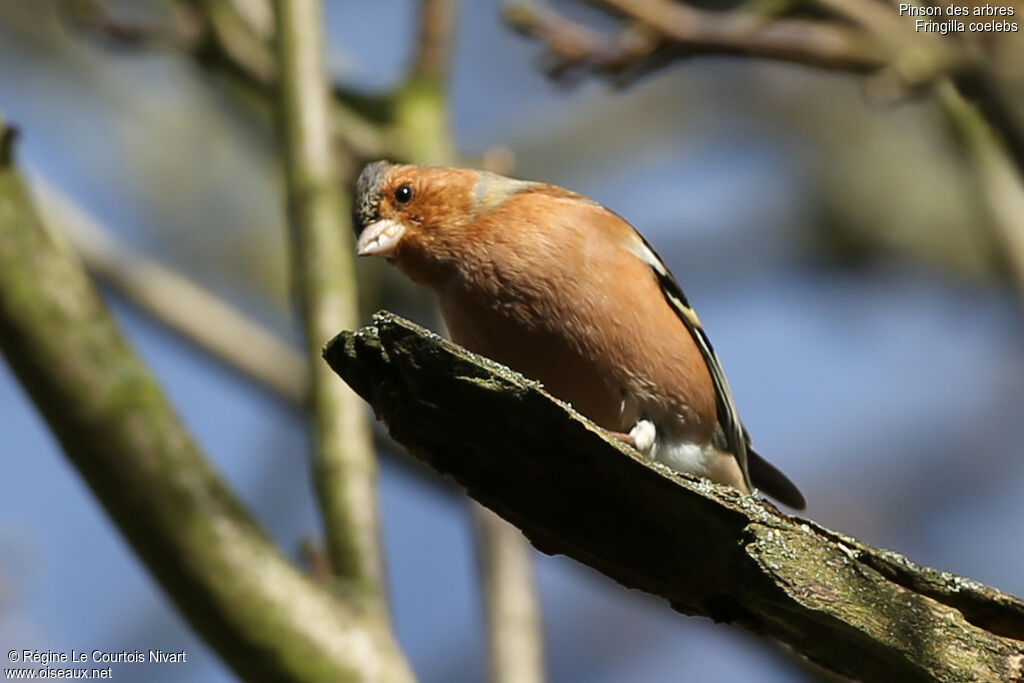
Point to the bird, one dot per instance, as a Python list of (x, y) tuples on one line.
[(565, 291)]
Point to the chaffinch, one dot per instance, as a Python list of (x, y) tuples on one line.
[(565, 291)]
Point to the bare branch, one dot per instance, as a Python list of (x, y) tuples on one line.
[(707, 549), (998, 181), (419, 107), (324, 273), (189, 310), (571, 45), (434, 43), (198, 315), (815, 42), (510, 598), (234, 39), (670, 31), (263, 616), (184, 33), (1001, 107), (864, 37)]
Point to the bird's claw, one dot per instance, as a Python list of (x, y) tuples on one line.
[(643, 435)]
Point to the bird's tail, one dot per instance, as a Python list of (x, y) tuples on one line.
[(766, 477)]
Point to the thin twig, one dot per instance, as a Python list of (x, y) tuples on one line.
[(686, 31), (572, 45), (324, 273), (232, 35), (977, 78), (818, 43), (183, 33), (433, 47)]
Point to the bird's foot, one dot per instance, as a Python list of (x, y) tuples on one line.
[(623, 437), (641, 437), (643, 434)]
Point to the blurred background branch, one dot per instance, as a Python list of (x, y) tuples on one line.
[(264, 618), (860, 36), (432, 51), (195, 313), (659, 32), (420, 103), (324, 275), (514, 631), (997, 179), (656, 33)]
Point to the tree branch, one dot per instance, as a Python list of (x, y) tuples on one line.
[(571, 46), (263, 616), (234, 42), (1000, 106), (229, 36), (860, 36), (514, 630), (197, 315), (343, 462), (418, 107), (192, 312), (997, 179), (433, 46), (669, 31), (707, 549)]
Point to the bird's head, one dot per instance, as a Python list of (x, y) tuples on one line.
[(425, 219), (410, 214)]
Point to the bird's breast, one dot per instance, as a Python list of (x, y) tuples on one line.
[(508, 332), (604, 360)]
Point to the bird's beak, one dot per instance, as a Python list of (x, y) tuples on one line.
[(380, 238)]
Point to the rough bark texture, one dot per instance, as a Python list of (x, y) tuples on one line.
[(707, 549), (266, 619)]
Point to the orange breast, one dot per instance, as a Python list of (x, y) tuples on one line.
[(573, 307)]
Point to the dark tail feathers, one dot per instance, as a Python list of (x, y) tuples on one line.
[(766, 477)]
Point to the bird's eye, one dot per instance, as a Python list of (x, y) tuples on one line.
[(403, 193)]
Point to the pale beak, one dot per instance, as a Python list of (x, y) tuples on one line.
[(380, 238)]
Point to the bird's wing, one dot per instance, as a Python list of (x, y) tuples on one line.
[(736, 439)]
